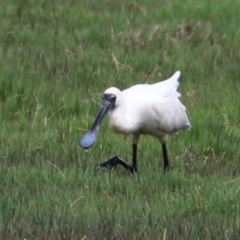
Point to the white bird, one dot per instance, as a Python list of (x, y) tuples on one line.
[(141, 109)]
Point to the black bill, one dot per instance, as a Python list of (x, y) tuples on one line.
[(90, 137)]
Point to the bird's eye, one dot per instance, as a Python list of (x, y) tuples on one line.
[(113, 97)]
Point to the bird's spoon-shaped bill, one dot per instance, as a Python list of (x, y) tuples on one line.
[(90, 137)]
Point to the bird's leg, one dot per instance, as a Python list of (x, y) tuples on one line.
[(165, 157), (114, 161), (134, 157)]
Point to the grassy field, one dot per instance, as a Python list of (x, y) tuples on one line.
[(56, 60)]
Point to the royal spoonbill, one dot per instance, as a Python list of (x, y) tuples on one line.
[(141, 109)]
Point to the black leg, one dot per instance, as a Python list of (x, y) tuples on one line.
[(165, 158), (134, 157), (114, 161)]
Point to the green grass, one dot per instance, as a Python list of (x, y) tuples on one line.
[(56, 60)]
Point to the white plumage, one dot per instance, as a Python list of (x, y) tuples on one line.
[(149, 109), (143, 109)]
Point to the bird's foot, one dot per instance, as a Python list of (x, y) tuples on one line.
[(166, 169), (110, 163), (113, 162)]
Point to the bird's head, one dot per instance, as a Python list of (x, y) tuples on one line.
[(111, 98)]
